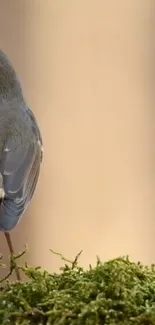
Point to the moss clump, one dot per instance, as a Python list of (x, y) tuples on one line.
[(115, 292)]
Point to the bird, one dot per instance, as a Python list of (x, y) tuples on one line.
[(21, 148)]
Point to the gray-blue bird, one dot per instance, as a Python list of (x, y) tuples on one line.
[(20, 148)]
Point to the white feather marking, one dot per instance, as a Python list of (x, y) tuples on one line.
[(11, 192), (40, 146), (2, 193), (6, 149)]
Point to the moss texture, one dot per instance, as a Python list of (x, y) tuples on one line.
[(114, 292)]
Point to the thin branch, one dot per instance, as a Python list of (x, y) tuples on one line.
[(61, 256), (9, 242), (33, 311), (73, 263), (13, 264)]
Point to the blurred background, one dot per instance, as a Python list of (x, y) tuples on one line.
[(87, 69)]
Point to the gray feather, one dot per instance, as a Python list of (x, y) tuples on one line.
[(20, 148)]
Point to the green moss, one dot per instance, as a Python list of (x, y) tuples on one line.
[(114, 292)]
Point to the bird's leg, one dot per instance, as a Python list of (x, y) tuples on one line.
[(9, 242)]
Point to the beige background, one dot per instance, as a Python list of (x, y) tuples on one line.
[(86, 68)]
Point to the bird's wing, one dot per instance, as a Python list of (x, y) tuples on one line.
[(19, 166)]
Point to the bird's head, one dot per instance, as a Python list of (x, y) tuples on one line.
[(10, 87)]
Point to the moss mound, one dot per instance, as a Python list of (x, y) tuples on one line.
[(115, 292)]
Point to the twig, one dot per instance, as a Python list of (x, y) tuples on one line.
[(13, 265), (61, 256), (9, 242), (74, 263), (6, 277), (33, 311)]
